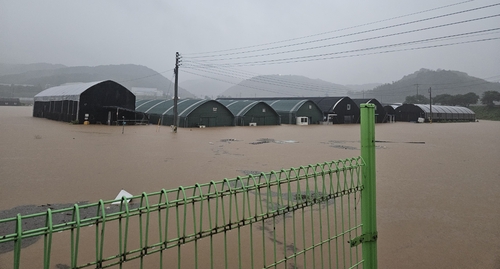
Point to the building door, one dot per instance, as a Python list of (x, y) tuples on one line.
[(208, 121), (348, 119)]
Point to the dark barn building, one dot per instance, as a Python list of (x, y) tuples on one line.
[(252, 112), (411, 112), (97, 102), (380, 114), (337, 110), (191, 112)]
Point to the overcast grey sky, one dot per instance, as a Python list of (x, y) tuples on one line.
[(149, 33)]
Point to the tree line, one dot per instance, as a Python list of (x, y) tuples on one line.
[(465, 100)]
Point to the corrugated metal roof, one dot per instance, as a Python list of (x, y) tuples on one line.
[(325, 103), (287, 105), (445, 109), (65, 92), (239, 107), (360, 101), (166, 107)]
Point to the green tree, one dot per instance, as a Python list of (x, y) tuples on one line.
[(456, 100), (489, 97), (469, 99), (416, 99), (443, 99)]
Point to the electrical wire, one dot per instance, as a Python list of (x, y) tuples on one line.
[(265, 80), (356, 33), (246, 86), (333, 31), (353, 41), (288, 84), (318, 57)]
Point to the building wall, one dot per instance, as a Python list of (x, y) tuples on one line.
[(261, 114), (209, 114), (99, 101), (346, 111), (309, 109)]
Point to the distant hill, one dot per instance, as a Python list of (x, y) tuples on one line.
[(284, 85), (128, 75), (205, 87), (8, 69), (441, 82)]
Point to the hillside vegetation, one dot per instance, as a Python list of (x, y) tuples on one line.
[(486, 112), (441, 82)]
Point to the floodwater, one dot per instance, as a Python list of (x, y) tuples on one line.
[(438, 201)]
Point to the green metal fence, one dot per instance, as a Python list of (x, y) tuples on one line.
[(305, 217)]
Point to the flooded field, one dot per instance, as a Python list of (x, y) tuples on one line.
[(438, 185)]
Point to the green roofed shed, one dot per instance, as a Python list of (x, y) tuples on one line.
[(251, 112), (290, 109), (191, 112)]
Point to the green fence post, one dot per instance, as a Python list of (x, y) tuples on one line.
[(368, 198)]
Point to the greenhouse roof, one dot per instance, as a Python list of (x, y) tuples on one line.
[(241, 107), (445, 109), (65, 92), (166, 107)]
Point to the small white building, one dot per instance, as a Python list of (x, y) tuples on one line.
[(302, 121)]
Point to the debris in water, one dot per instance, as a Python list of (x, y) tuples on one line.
[(121, 194)]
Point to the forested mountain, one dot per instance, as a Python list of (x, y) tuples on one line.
[(284, 85), (440, 82), (128, 75), (42, 76)]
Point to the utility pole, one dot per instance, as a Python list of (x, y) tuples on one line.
[(430, 103), (176, 90)]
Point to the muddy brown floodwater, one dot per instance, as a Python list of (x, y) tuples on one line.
[(438, 202)]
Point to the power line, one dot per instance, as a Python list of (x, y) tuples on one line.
[(282, 83), (387, 92), (247, 86), (353, 41), (318, 57), (264, 80), (351, 34), (338, 30), (267, 82)]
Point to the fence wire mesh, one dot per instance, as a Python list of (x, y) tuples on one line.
[(294, 218)]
